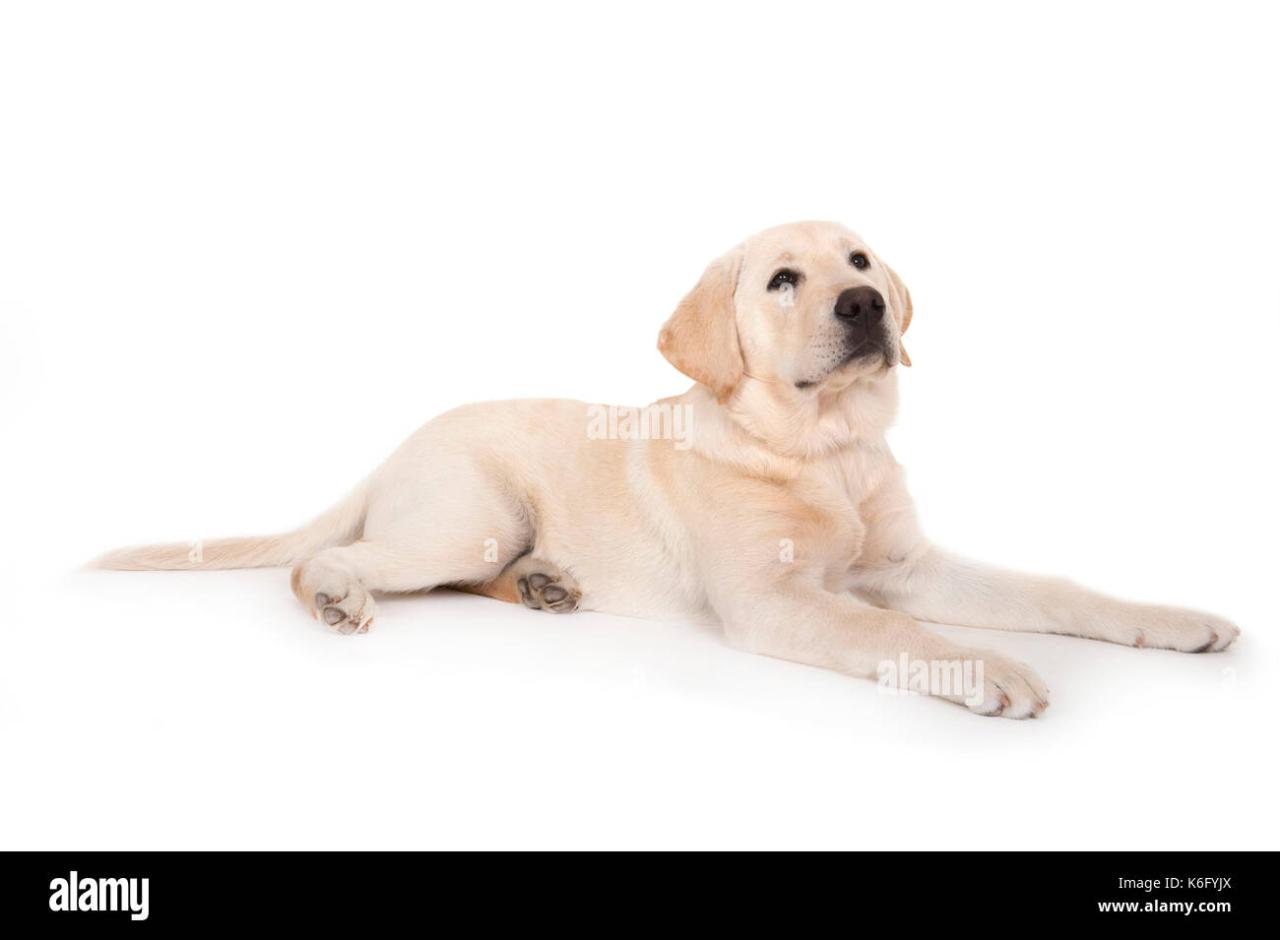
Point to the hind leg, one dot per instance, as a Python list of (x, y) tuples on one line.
[(336, 584), (466, 533)]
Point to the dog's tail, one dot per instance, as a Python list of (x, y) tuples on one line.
[(339, 526)]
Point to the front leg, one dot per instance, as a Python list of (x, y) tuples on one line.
[(799, 621), (936, 586)]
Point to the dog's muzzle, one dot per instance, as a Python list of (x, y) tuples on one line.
[(861, 310)]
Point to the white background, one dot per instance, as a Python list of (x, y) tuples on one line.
[(246, 248)]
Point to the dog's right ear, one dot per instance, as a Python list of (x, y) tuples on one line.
[(701, 337)]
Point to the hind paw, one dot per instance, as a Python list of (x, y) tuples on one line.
[(543, 586), (333, 597), (351, 612)]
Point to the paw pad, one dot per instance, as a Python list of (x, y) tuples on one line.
[(543, 592)]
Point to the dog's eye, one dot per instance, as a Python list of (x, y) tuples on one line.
[(859, 260), (785, 276)]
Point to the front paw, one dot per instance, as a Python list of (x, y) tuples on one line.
[(1175, 628), (1009, 689)]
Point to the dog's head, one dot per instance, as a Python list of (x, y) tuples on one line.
[(808, 304)]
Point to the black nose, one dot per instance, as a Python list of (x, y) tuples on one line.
[(862, 305)]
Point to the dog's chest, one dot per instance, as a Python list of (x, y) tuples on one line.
[(843, 487)]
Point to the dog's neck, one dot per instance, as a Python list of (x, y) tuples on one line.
[(774, 425)]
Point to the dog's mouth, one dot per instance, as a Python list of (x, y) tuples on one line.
[(868, 353), (860, 354), (864, 350)]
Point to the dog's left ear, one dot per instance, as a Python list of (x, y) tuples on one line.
[(902, 300), (701, 337)]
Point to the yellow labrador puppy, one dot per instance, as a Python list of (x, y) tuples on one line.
[(764, 499)]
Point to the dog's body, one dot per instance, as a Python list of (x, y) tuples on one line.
[(780, 515)]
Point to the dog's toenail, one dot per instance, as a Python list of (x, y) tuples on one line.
[(322, 599), (538, 581), (333, 615), (1140, 642), (553, 594)]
